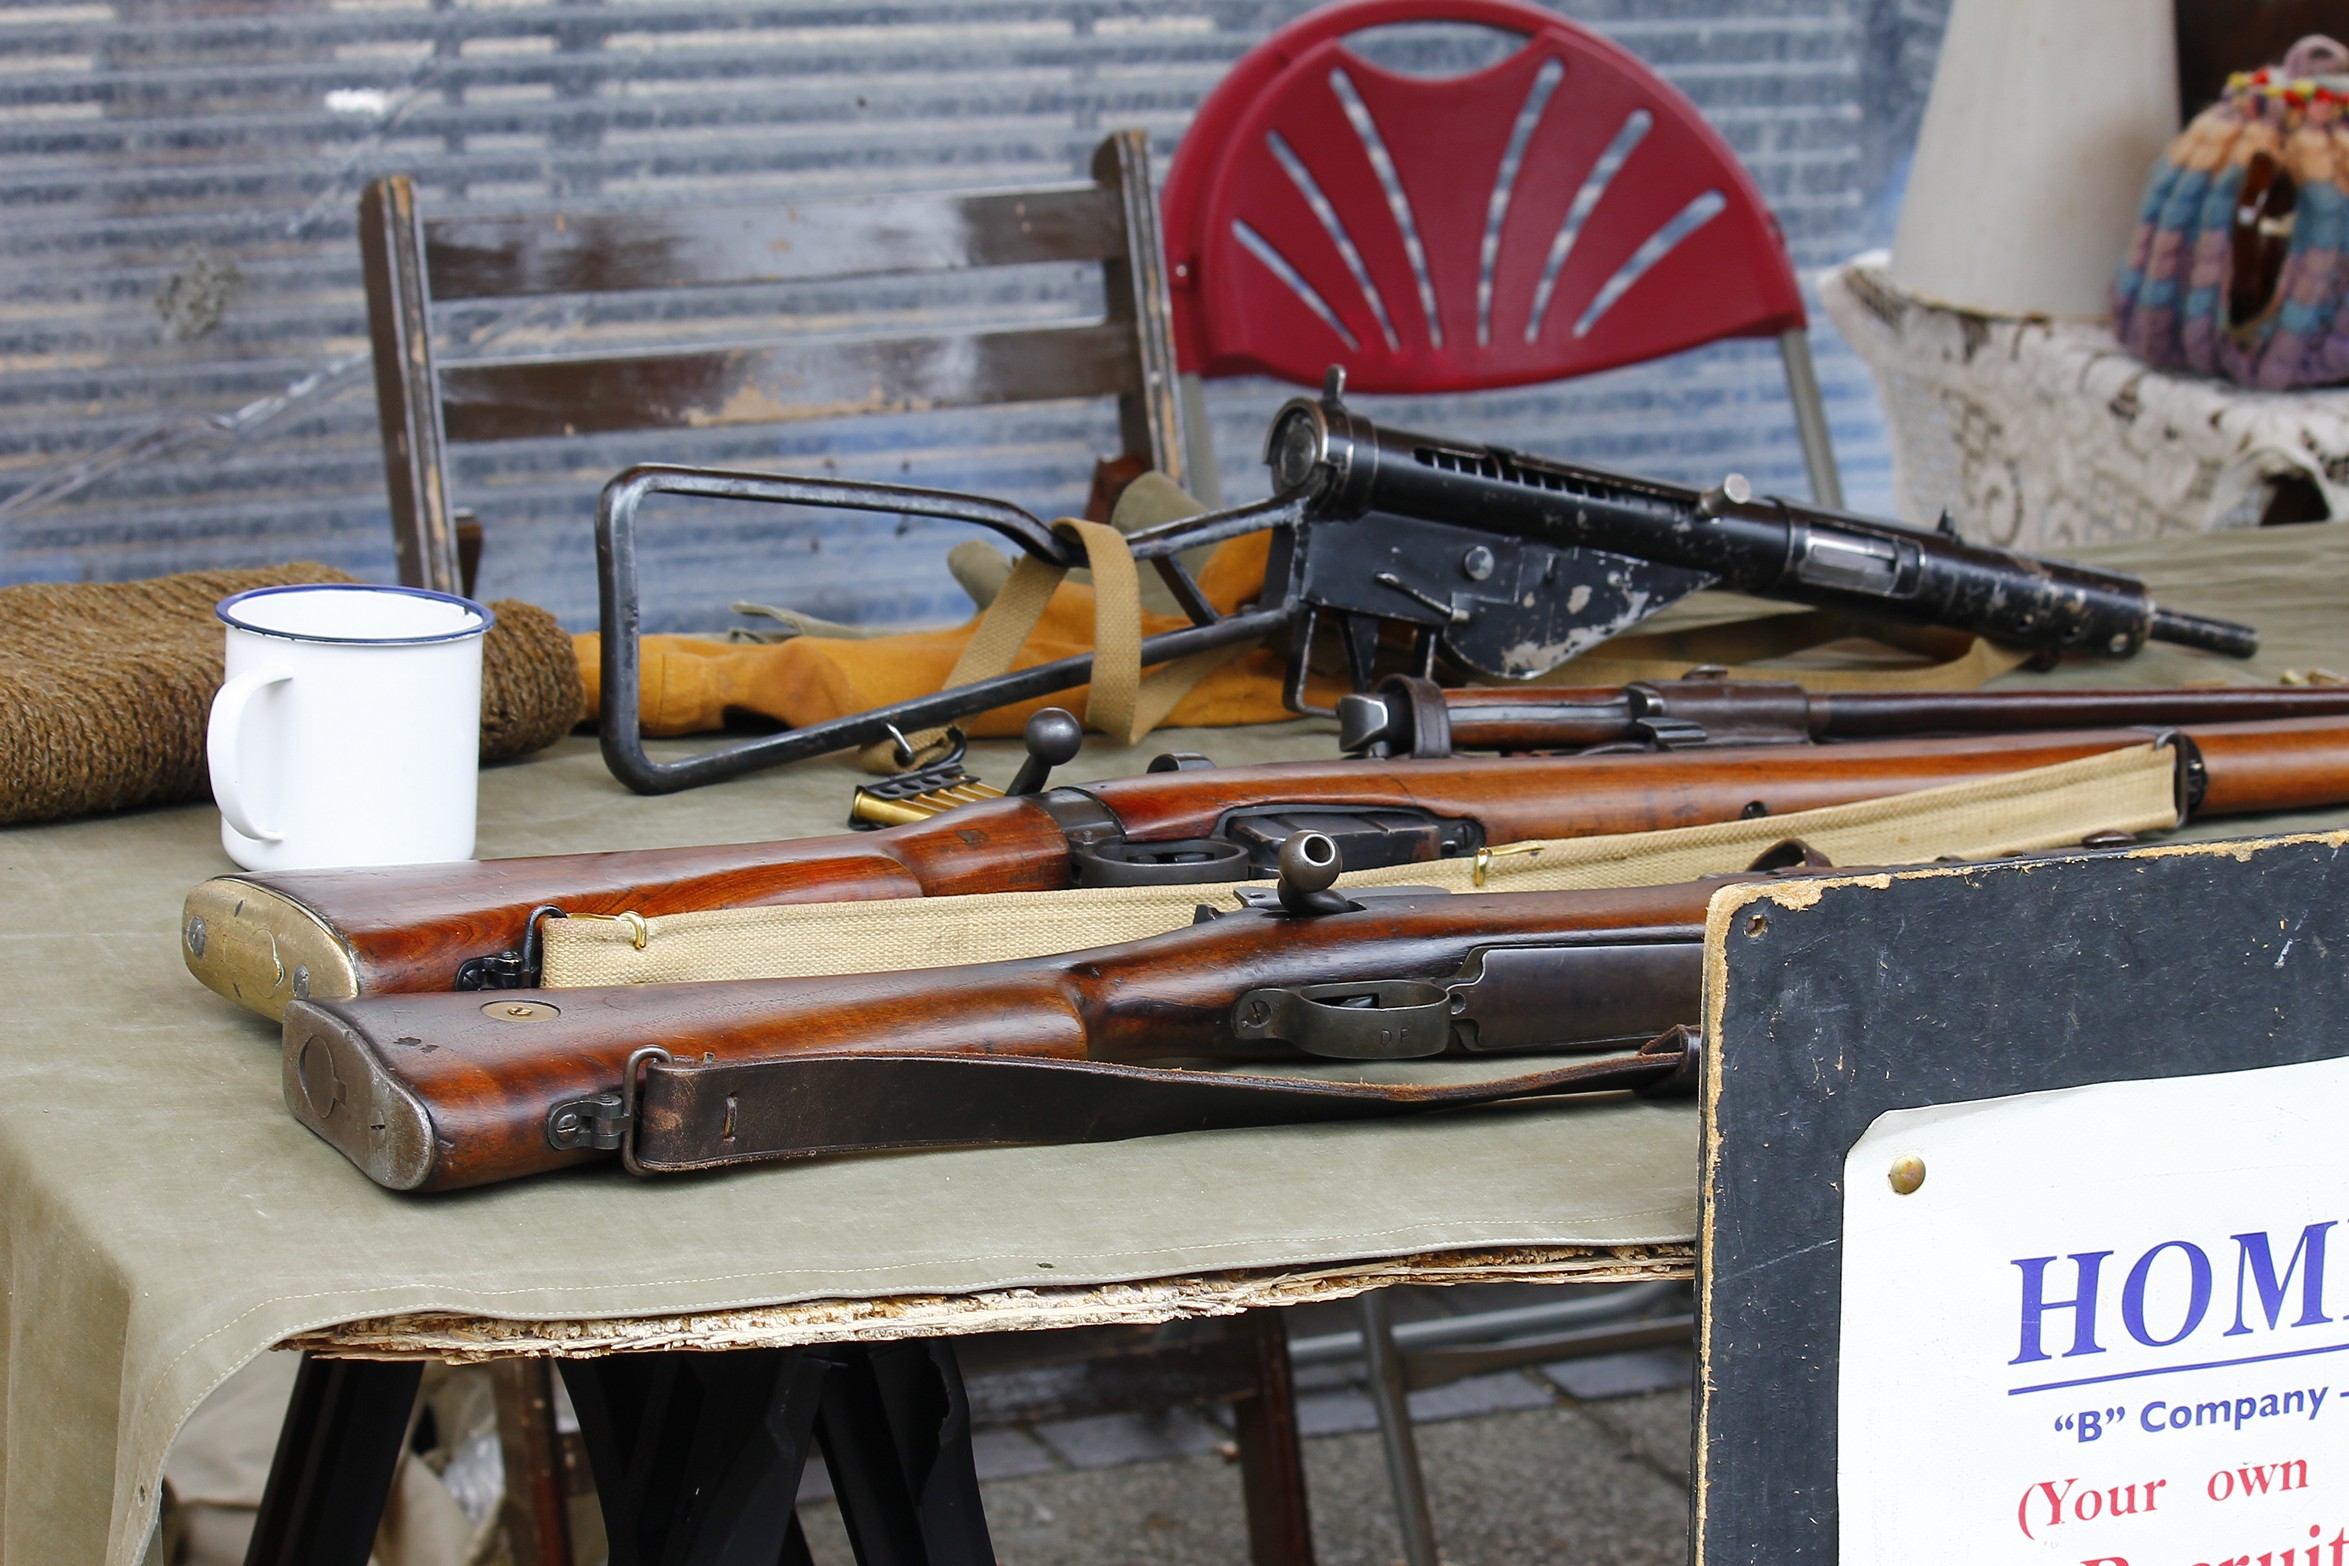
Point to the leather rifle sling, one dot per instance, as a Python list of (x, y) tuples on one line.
[(708, 1114)]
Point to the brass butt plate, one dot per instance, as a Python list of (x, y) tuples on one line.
[(261, 949)]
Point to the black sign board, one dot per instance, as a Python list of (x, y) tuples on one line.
[(1835, 1002)]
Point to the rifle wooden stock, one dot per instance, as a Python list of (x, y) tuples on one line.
[(264, 939), (267, 939), (434, 1092), (2250, 768)]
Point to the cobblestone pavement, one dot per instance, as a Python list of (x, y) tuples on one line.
[(1555, 1484), (1586, 1461)]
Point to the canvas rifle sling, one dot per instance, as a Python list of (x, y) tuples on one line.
[(2129, 790), (1752, 648)]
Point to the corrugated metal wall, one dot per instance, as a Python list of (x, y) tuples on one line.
[(183, 374)]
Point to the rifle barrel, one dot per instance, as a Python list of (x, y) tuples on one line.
[(1882, 714), (1407, 715)]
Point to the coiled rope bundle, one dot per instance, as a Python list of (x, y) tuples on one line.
[(106, 687)]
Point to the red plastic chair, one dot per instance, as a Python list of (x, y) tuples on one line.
[(1562, 212)]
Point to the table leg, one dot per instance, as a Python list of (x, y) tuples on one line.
[(698, 1456), (896, 1433), (336, 1454)]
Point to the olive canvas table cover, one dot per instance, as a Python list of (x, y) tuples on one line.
[(166, 1220)]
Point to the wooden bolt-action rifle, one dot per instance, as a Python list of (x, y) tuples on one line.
[(1405, 715), (436, 1092), (265, 939), (1495, 561)]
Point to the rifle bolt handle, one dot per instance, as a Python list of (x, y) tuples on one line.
[(1308, 869), (1053, 738)]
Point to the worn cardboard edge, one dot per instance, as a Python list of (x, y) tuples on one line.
[(1721, 916), (463, 1338)]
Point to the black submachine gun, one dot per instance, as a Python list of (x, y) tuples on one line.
[(1505, 564)]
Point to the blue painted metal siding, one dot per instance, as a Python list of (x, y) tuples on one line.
[(183, 374)]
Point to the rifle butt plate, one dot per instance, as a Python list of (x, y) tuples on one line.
[(335, 1086), (262, 949)]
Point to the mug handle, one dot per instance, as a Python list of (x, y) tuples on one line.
[(224, 738)]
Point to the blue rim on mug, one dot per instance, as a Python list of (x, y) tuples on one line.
[(229, 603)]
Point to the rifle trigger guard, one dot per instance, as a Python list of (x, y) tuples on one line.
[(1189, 861), (1383, 1019)]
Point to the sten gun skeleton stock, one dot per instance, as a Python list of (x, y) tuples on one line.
[(1504, 564), (267, 938)]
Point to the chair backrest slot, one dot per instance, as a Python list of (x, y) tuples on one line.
[(559, 253), (781, 382), (1556, 211), (756, 377), (1533, 220)]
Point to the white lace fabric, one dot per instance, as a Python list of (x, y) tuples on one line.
[(2043, 435)]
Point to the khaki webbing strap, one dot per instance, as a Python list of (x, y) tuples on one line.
[(1122, 703), (1117, 627), (1958, 661), (1003, 628), (2129, 790)]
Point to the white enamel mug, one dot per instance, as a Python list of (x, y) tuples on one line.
[(348, 729)]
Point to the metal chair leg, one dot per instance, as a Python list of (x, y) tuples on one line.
[(1810, 418), (1202, 479), (336, 1454), (1389, 1396)]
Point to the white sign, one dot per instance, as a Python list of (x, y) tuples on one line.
[(2107, 1326)]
